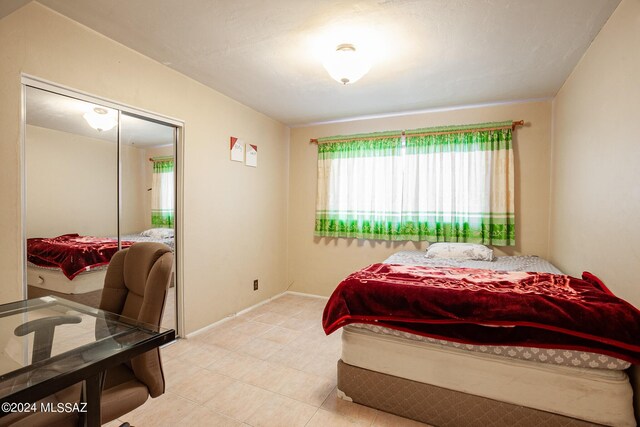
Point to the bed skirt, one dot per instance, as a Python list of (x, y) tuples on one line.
[(634, 377), (436, 405)]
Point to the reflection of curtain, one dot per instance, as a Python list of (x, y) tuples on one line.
[(441, 184), (162, 194)]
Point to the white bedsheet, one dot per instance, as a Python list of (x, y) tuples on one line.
[(140, 238), (502, 263)]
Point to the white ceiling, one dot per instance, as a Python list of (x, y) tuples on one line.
[(62, 113), (426, 53)]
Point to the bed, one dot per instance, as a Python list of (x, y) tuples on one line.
[(85, 288), (443, 377), (73, 266)]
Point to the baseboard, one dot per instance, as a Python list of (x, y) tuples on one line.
[(303, 294), (248, 309), (232, 316)]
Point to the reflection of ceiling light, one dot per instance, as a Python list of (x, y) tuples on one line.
[(101, 119), (346, 65)]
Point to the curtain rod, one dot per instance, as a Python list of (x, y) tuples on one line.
[(513, 127), (160, 159)]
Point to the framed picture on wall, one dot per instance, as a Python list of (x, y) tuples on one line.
[(251, 155), (237, 149)]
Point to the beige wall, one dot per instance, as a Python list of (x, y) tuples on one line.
[(71, 184), (72, 187), (12, 45), (595, 204), (235, 216), (317, 265), (133, 191)]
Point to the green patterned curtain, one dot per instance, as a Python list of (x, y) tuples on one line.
[(459, 185), (453, 184), (162, 194), (359, 187)]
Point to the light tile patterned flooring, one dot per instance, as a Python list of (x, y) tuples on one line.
[(272, 366)]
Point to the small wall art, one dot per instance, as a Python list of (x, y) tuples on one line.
[(251, 155), (237, 149)]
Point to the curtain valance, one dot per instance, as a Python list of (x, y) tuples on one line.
[(398, 134), (162, 164), (477, 127)]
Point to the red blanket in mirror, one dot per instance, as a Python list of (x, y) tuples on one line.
[(486, 307), (72, 253)]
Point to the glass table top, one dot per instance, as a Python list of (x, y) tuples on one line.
[(82, 336)]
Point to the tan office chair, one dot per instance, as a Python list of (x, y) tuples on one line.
[(136, 287)]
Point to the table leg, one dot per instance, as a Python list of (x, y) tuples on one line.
[(91, 394)]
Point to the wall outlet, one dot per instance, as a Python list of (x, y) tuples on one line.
[(255, 285)]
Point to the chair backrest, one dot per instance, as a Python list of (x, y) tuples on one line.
[(135, 286)]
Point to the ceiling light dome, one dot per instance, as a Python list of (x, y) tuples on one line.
[(346, 65), (101, 119)]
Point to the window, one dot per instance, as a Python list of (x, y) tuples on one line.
[(453, 184), (162, 193)]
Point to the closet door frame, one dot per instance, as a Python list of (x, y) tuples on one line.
[(38, 83)]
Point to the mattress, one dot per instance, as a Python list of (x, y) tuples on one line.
[(54, 280), (562, 357), (501, 263), (140, 238), (596, 395)]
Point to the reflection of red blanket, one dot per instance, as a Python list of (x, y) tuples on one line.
[(460, 304), (72, 253)]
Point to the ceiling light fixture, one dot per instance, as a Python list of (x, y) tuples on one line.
[(346, 65), (101, 119)]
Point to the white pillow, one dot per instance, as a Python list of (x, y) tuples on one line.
[(462, 251), (158, 233)]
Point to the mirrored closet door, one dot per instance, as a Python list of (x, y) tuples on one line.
[(96, 179), (147, 189)]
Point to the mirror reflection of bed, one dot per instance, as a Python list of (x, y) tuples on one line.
[(74, 212)]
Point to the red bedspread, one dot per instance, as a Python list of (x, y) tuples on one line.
[(72, 253), (489, 307)]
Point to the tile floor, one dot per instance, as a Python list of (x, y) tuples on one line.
[(272, 366)]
